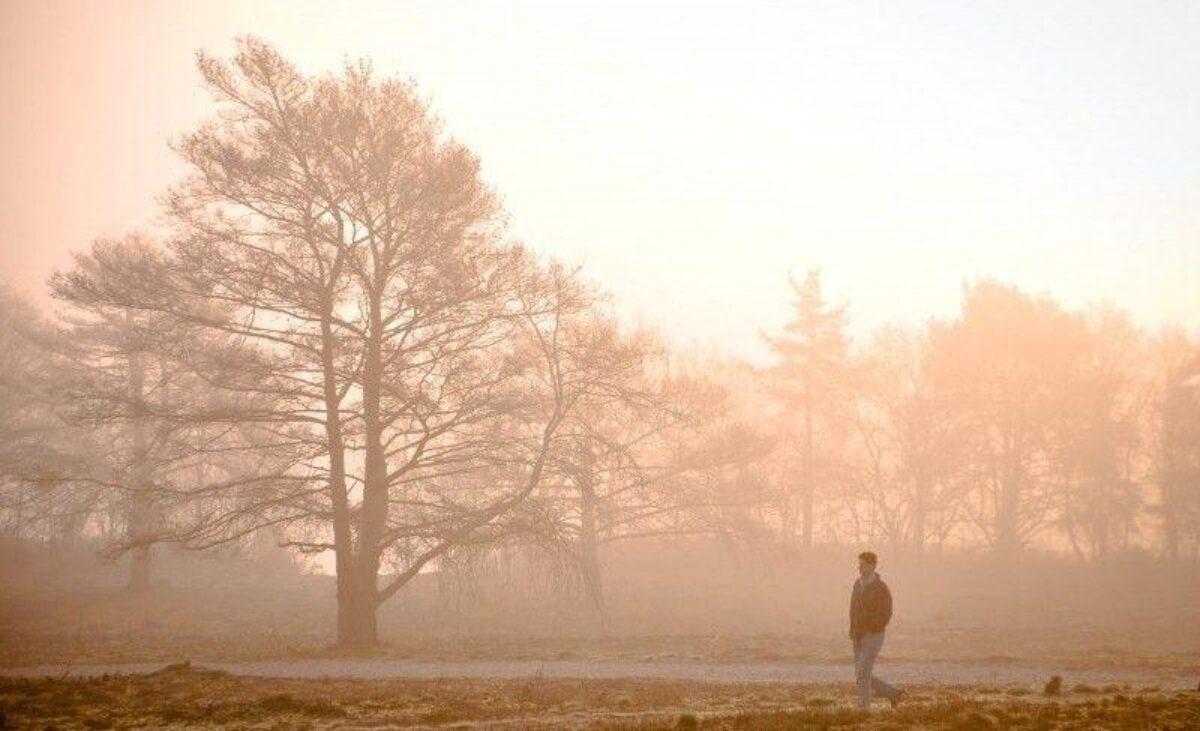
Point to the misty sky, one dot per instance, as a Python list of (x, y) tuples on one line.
[(690, 154)]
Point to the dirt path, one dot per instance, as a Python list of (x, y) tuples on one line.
[(940, 673)]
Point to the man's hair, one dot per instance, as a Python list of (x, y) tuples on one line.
[(868, 557)]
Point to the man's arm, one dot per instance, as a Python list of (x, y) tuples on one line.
[(853, 595), (885, 607)]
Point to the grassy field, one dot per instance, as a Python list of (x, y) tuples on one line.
[(1122, 630), (111, 626), (184, 697), (693, 602)]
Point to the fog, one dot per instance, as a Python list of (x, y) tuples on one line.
[(324, 413)]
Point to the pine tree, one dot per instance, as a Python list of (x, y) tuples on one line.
[(812, 367)]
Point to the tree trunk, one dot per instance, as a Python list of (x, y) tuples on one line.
[(920, 500), (1007, 540), (139, 568), (807, 495), (589, 553), (1170, 518), (373, 515), (1008, 504), (19, 526), (589, 565), (350, 629), (788, 517), (140, 518), (356, 620)]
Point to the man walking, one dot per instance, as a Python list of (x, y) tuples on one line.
[(870, 611)]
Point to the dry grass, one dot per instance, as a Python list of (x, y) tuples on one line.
[(232, 624), (683, 603), (1082, 626), (184, 697)]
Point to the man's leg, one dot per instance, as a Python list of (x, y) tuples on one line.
[(862, 674), (872, 644), (882, 687)]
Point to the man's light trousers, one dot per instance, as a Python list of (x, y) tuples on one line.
[(866, 649)]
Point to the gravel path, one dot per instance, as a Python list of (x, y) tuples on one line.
[(948, 673)]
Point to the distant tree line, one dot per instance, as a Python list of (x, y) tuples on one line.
[(1018, 422), (333, 340)]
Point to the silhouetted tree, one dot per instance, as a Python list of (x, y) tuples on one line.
[(809, 379), (909, 452), (596, 464), (646, 459), (403, 370), (1006, 366), (125, 383), (1177, 453), (36, 447), (1097, 441)]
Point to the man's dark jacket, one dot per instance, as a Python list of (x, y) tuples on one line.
[(870, 607)]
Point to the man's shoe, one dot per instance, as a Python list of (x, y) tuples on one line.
[(898, 697)]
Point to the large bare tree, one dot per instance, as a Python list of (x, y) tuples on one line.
[(400, 369)]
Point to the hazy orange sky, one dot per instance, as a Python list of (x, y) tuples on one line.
[(690, 154)]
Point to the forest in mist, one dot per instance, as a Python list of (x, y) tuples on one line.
[(330, 356)]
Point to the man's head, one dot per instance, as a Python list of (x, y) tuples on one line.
[(866, 563)]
